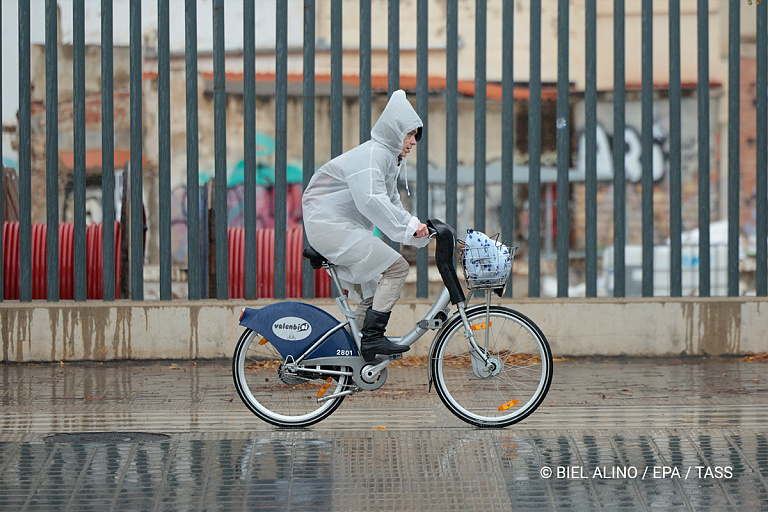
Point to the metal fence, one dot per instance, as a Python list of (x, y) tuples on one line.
[(564, 141)]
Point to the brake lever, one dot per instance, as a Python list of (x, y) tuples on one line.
[(432, 233), (432, 230)]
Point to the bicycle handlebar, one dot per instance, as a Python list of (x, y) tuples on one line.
[(432, 231)]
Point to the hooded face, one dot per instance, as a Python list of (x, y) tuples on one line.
[(411, 138), (396, 122)]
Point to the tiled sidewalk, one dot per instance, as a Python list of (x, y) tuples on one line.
[(631, 434)]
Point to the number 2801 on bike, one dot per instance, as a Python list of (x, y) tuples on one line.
[(491, 365)]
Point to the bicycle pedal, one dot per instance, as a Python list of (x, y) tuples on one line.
[(392, 357)]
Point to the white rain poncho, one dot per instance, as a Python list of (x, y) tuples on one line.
[(357, 191)]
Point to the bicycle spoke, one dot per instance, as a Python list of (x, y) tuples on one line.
[(280, 393), (508, 384)]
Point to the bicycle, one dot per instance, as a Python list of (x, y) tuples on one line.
[(491, 366)]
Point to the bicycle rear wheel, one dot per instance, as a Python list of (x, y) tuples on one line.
[(277, 394), (504, 382)]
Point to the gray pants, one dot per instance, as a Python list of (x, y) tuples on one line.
[(387, 292)]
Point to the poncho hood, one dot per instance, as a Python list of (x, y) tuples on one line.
[(395, 122), (358, 190)]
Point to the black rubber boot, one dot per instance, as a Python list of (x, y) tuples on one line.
[(374, 342)]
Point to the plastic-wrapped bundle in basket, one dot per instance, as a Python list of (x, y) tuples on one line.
[(487, 262)]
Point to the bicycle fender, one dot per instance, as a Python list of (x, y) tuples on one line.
[(293, 327)]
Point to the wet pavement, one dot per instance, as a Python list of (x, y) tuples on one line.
[(613, 434)]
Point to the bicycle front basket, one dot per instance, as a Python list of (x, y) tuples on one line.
[(487, 265)]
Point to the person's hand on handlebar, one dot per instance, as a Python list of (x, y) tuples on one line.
[(421, 231)]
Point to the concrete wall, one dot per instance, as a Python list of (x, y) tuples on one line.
[(69, 331)]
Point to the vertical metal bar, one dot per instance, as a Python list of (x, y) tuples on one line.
[(193, 169), (136, 168), (451, 113), (550, 191), (204, 277), (308, 280), (507, 130), (78, 107), (25, 152), (702, 92), (52, 149), (220, 151), (734, 126), (422, 163), (281, 145), (480, 105), (164, 146), (590, 136), (337, 100), (393, 66), (675, 153), (761, 167), (647, 145), (249, 149), (365, 70), (393, 46), (563, 150), (619, 126), (107, 151), (534, 154)]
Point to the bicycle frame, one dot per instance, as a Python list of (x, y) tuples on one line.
[(287, 359), (435, 319), (367, 375)]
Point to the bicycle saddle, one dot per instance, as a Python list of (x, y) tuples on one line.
[(315, 258)]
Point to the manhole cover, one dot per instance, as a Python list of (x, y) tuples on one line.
[(106, 437)]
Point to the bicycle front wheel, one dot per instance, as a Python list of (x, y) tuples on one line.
[(282, 396), (504, 379)]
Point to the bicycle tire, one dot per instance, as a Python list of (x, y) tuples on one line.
[(509, 392), (276, 397)]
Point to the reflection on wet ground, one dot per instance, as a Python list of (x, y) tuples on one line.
[(613, 434)]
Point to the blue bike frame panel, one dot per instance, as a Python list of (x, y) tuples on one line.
[(293, 327)]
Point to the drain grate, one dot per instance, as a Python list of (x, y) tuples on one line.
[(106, 437)]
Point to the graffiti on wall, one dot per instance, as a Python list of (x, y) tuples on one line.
[(265, 208), (93, 205), (265, 198), (10, 155), (633, 152), (633, 168)]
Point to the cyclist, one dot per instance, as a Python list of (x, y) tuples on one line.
[(349, 196)]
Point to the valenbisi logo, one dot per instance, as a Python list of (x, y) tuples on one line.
[(292, 328)]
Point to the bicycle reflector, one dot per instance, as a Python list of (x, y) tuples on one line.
[(324, 387), (508, 405)]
